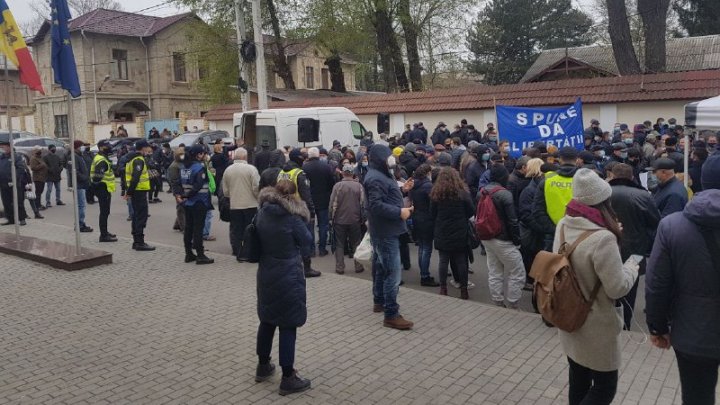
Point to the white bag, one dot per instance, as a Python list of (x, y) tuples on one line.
[(30, 191), (364, 251)]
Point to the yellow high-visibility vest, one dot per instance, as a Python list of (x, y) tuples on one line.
[(144, 183), (108, 176), (558, 193)]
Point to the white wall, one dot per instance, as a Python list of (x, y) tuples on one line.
[(222, 126), (101, 132), (196, 122)]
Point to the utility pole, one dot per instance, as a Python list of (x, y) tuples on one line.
[(241, 30), (260, 61)]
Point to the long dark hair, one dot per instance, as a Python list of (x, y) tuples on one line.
[(448, 186), (611, 221)]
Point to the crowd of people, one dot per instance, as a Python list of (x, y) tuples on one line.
[(618, 197)]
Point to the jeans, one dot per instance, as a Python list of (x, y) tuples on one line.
[(48, 191), (265, 335), (425, 248), (239, 220), (460, 265), (82, 203), (208, 223), (104, 198), (344, 235), (503, 257), (322, 224), (698, 378), (590, 387), (8, 204), (386, 274), (628, 304), (195, 217)]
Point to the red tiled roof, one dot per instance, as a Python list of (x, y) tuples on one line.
[(665, 86), (114, 22)]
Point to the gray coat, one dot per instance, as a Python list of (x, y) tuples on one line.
[(596, 345)]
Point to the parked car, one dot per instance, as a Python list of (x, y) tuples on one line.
[(192, 138), (5, 135)]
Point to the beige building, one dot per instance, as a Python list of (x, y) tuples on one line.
[(20, 98), (130, 66), (307, 63)]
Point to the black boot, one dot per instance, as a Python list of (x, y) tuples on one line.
[(293, 384), (190, 256), (263, 372), (108, 238), (141, 246), (202, 259), (309, 272)]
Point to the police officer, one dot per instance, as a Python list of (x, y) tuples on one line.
[(553, 194), (102, 181), (292, 171), (196, 200), (6, 185), (137, 186)]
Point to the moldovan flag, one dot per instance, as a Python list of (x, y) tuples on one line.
[(13, 46)]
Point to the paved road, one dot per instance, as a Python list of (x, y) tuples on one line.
[(149, 329), (160, 231)]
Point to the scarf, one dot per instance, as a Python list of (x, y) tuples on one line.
[(578, 209)]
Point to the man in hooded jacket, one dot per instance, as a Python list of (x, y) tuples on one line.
[(386, 217)]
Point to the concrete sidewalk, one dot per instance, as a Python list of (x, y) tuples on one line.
[(151, 329)]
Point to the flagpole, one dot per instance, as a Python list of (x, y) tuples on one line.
[(497, 122), (74, 174), (13, 169)]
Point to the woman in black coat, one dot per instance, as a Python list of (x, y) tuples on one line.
[(284, 237), (423, 222), (451, 207)]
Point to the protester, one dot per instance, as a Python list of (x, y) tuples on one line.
[(386, 217), (423, 223), (240, 184), (636, 211), (670, 195), (39, 170), (173, 177), (451, 206), (55, 164), (347, 214), (6, 185), (682, 289), (503, 251), (284, 239), (83, 183), (593, 351), (321, 178)]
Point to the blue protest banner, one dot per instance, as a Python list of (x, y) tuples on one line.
[(522, 126)]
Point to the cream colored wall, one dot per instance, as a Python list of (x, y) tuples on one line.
[(636, 113)]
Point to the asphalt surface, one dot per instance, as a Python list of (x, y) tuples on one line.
[(162, 217)]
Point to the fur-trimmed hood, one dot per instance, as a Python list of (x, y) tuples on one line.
[(270, 200)]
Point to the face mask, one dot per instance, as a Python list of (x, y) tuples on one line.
[(598, 139), (628, 141), (182, 157), (652, 181), (82, 149), (493, 138), (506, 149), (364, 164), (623, 155), (391, 162), (323, 159), (661, 123), (485, 157), (712, 146), (601, 153)]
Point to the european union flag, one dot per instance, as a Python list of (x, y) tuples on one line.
[(63, 59)]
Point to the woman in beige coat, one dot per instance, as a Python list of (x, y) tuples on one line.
[(593, 351)]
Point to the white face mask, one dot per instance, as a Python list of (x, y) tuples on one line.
[(182, 157), (391, 162)]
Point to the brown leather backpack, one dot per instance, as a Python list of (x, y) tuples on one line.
[(559, 297)]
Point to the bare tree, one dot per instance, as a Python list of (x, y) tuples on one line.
[(411, 44), (41, 10), (282, 68), (621, 39), (654, 15)]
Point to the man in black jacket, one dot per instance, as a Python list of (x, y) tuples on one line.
[(682, 289), (55, 164), (83, 183), (636, 210), (292, 171), (322, 180), (6, 188), (517, 181)]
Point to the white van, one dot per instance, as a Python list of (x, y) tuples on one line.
[(279, 127)]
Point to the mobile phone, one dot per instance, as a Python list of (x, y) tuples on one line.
[(637, 258)]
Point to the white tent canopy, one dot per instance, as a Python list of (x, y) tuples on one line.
[(703, 114)]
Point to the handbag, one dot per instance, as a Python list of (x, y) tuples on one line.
[(224, 208), (30, 192), (364, 251), (250, 250)]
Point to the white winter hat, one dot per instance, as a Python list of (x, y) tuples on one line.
[(589, 188)]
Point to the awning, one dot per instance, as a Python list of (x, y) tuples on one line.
[(138, 106), (703, 114)]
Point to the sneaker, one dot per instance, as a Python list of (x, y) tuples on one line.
[(143, 247), (471, 285), (190, 257), (42, 208), (429, 282), (513, 305), (157, 200), (293, 384), (59, 202), (456, 284), (263, 372), (85, 229), (38, 216), (202, 259), (129, 218), (398, 323), (312, 273), (48, 205), (377, 308)]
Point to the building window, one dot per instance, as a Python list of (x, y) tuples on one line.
[(309, 77), (325, 74), (120, 65), (61, 126), (179, 73), (202, 72)]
